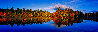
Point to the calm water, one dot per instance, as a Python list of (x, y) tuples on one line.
[(85, 26)]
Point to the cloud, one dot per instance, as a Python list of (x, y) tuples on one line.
[(57, 6), (74, 1), (89, 11)]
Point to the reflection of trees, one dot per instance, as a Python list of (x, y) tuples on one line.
[(68, 21), (39, 20), (34, 20), (91, 18)]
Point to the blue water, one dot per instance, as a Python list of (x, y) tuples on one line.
[(85, 26)]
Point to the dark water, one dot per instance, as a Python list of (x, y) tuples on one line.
[(87, 25)]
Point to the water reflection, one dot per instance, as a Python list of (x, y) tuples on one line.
[(91, 18), (12, 21), (67, 22), (59, 22), (40, 20)]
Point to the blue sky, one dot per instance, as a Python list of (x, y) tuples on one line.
[(50, 5)]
